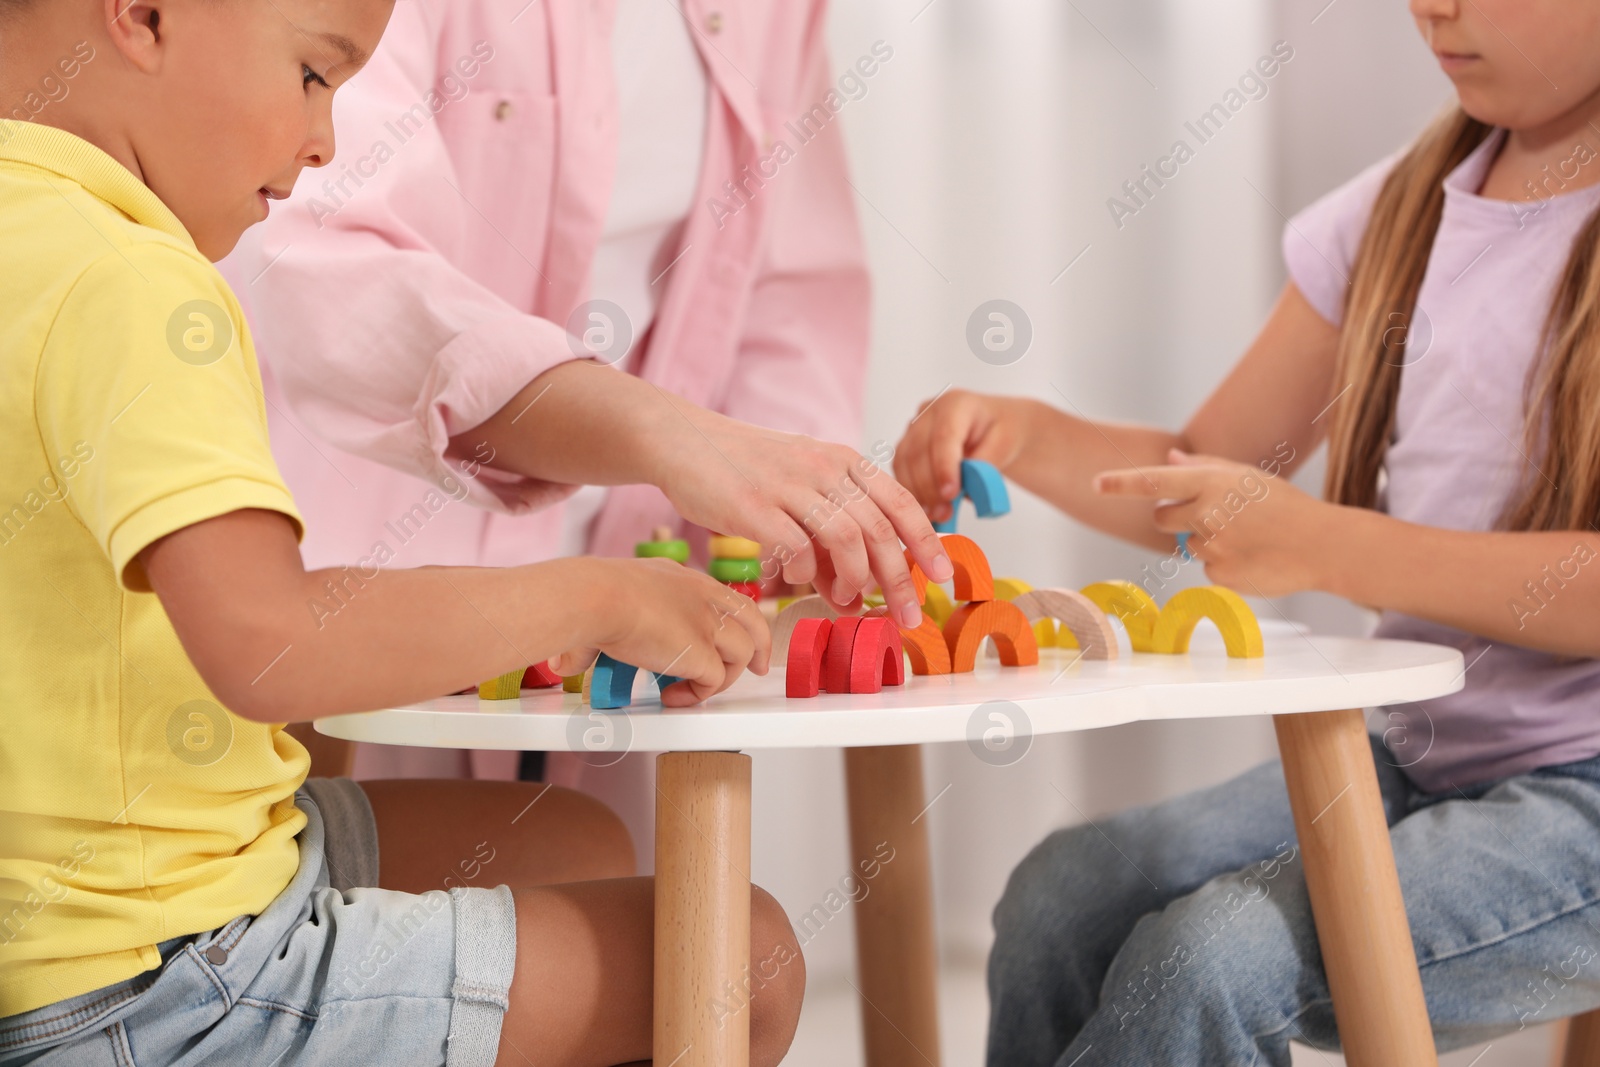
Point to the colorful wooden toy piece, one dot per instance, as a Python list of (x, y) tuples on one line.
[(877, 657), (540, 676), (999, 619), (982, 484), (806, 607), (572, 683), (936, 603), (506, 686), (1083, 622), (749, 589), (836, 658), (926, 648), (803, 674), (611, 685), (724, 547), (675, 550), (1132, 605), (735, 570), (973, 579), (1044, 627), (1241, 634)]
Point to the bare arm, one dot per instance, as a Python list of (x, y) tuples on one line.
[(823, 512), (1270, 399), (245, 609)]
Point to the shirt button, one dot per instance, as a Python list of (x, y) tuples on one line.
[(217, 955), (714, 22), (502, 111)]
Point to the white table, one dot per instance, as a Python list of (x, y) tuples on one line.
[(703, 811)]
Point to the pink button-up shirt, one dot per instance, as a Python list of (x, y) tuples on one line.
[(410, 289)]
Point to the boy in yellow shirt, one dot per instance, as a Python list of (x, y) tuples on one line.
[(172, 889)]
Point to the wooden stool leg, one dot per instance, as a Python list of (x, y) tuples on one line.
[(1581, 1044), (702, 936), (895, 951), (1355, 892)]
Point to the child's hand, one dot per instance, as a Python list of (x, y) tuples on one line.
[(1254, 533), (823, 512), (953, 426), (661, 616)]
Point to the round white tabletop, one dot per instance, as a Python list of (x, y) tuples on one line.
[(1299, 673)]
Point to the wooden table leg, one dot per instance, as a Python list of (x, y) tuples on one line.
[(702, 935), (895, 950), (1355, 892)]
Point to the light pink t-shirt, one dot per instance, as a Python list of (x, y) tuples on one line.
[(1456, 456)]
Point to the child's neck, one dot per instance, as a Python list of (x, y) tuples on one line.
[(1554, 158), (88, 104)]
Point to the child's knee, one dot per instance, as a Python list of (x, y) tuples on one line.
[(777, 979), (1040, 892), (607, 845)]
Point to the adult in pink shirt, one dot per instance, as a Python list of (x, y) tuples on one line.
[(406, 297)]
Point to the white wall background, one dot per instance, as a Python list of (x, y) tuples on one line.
[(983, 154)]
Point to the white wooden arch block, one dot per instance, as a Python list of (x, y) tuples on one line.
[(1089, 625)]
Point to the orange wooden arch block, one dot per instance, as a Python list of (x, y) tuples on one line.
[(999, 619), (877, 658), (806, 607), (1241, 634), (803, 674), (926, 648), (1082, 620), (1135, 607), (836, 658), (973, 581)]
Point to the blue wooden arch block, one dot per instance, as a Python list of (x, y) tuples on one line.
[(612, 684), (983, 484)]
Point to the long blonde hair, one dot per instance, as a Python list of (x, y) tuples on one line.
[(1562, 394)]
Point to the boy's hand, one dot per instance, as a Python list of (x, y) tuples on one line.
[(661, 616), (823, 512), (953, 426), (1255, 533)]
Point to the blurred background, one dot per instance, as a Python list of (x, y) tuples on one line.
[(983, 154)]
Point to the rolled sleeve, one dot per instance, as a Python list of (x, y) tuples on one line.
[(1320, 242), (381, 343)]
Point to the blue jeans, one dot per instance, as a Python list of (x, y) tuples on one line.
[(1181, 933)]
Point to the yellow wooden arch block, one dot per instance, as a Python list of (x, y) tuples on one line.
[(1241, 634), (1044, 630), (1135, 607), (938, 607), (507, 686)]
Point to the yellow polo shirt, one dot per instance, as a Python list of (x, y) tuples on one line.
[(133, 808)]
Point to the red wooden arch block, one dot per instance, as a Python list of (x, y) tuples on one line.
[(877, 658), (540, 676), (974, 580), (803, 677), (836, 660), (925, 645), (1000, 619)]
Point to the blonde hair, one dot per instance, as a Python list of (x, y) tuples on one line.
[(1562, 393)]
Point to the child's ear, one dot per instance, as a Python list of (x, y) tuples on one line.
[(135, 29)]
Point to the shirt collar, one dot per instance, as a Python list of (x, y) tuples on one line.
[(75, 159)]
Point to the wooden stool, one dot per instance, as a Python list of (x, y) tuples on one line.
[(1577, 1041)]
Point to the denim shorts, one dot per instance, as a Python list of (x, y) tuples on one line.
[(331, 974)]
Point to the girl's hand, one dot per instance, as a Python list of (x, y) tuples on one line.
[(661, 616), (1254, 533), (822, 512), (953, 426)]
